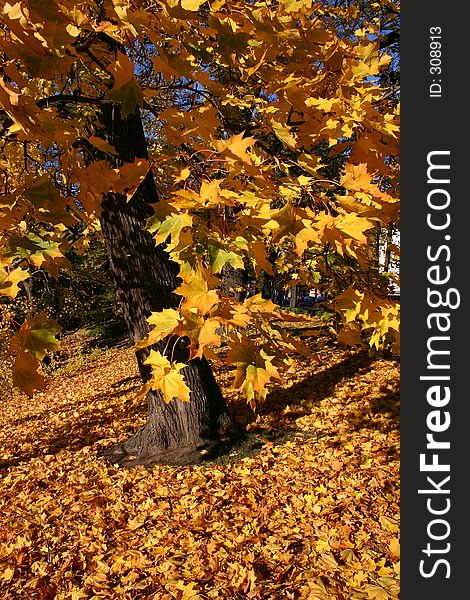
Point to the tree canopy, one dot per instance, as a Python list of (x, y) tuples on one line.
[(272, 137)]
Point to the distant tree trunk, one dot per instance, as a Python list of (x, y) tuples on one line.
[(267, 286), (145, 277), (268, 289), (293, 297), (388, 253)]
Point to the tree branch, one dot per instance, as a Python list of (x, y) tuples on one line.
[(71, 99)]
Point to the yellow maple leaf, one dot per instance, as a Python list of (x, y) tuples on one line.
[(192, 5), (285, 221), (356, 178), (388, 523), (375, 592), (8, 574), (210, 192), (164, 323), (254, 367), (284, 134), (305, 237), (395, 547), (126, 90), (9, 280), (258, 304), (25, 375), (256, 378), (183, 175), (257, 249), (237, 145), (130, 176), (102, 145), (170, 227), (36, 336), (167, 378), (354, 226), (197, 295), (136, 522), (201, 331), (236, 315)]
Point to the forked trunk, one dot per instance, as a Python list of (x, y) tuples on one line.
[(178, 432)]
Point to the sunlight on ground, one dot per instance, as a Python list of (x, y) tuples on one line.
[(314, 515)]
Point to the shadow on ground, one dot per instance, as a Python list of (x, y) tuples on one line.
[(320, 385), (90, 422), (94, 421), (111, 334)]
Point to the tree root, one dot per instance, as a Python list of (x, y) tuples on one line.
[(132, 452)]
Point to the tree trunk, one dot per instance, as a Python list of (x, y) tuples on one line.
[(293, 297), (179, 432), (234, 282), (267, 286), (268, 290)]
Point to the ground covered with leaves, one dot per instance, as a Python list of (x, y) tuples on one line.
[(312, 513)]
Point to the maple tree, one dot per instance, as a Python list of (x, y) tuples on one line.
[(187, 133)]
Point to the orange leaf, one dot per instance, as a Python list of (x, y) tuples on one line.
[(25, 375)]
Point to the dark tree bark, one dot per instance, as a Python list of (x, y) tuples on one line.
[(268, 290), (234, 282), (178, 432), (267, 286)]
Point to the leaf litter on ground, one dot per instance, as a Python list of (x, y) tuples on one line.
[(310, 512)]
